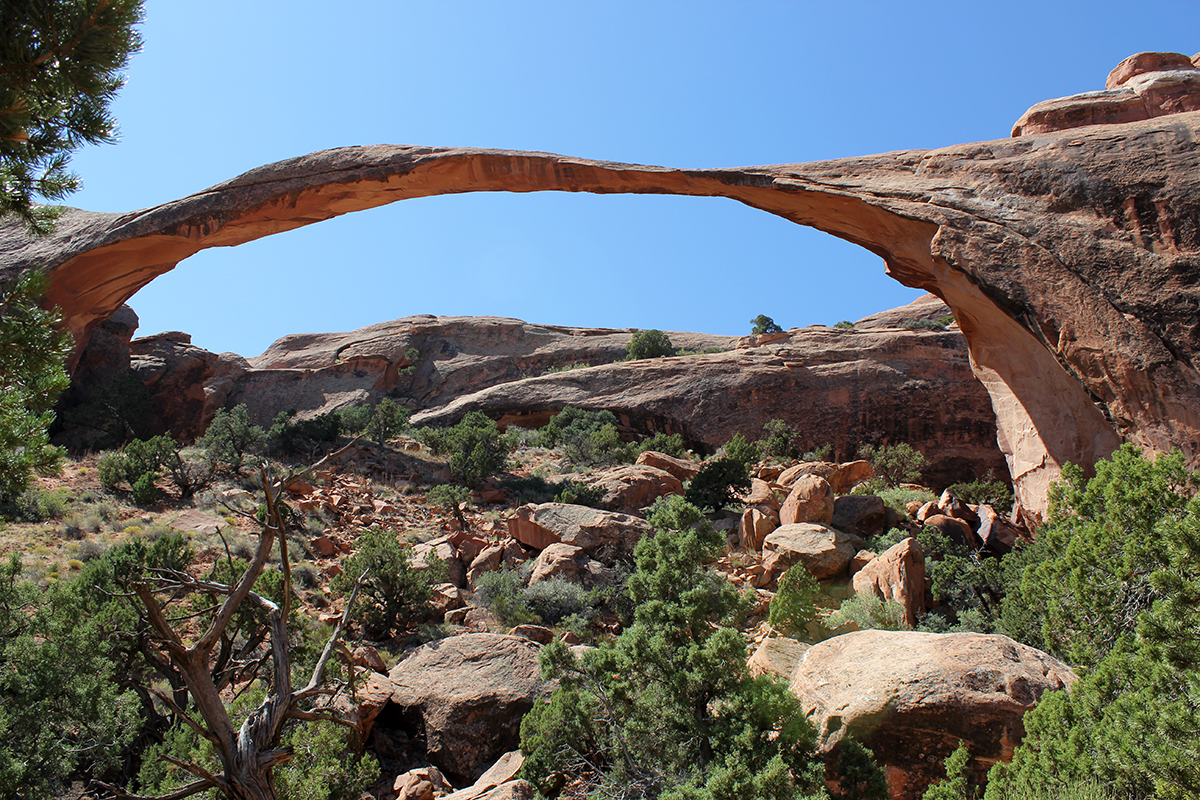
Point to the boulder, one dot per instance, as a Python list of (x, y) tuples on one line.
[(997, 535), (898, 574), (632, 487), (954, 529), (681, 468), (810, 500), (849, 475), (776, 656), (952, 505), (860, 514), (762, 493), (756, 524), (487, 561), (442, 550), (559, 560), (911, 697), (824, 551), (590, 529), (425, 783), (503, 772), (467, 695), (1141, 63)]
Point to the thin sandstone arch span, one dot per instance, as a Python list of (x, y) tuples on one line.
[(1034, 243)]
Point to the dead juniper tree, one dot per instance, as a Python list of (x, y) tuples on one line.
[(222, 656)]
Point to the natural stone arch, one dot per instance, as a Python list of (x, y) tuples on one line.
[(1030, 242)]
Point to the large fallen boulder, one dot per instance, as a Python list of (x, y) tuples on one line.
[(911, 697), (633, 487), (465, 697), (591, 529), (825, 552), (898, 574)]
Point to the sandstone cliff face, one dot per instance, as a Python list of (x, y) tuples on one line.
[(843, 388), (1068, 258)]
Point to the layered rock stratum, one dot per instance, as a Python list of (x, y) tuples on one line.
[(1069, 257)]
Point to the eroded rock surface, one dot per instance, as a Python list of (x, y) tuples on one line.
[(1069, 259), (911, 697), (466, 695)]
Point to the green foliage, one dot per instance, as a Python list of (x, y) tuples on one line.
[(387, 420), (63, 703), (845, 325), (764, 324), (858, 776), (143, 490), (502, 592), (61, 64), (142, 462), (32, 353), (451, 498), (894, 464), (821, 453), (782, 440), (963, 579), (475, 446), (795, 603), (393, 591), (997, 494), (924, 324), (668, 709), (587, 438), (230, 437), (717, 483), (649, 344), (957, 785), (741, 450), (580, 494), (302, 437), (548, 602), (1112, 575), (327, 764), (898, 497), (867, 611), (670, 444)]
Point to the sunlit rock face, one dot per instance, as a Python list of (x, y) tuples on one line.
[(1069, 258)]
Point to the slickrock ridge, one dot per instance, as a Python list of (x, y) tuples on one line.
[(1068, 259)]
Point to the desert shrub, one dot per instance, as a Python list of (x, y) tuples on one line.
[(531, 489), (328, 764), (649, 344), (393, 592), (502, 592), (669, 443), (387, 420), (717, 483), (587, 438), (143, 490), (845, 325), (821, 453), (580, 494), (997, 494), (741, 450), (302, 437), (231, 437), (898, 497), (868, 611), (859, 777), (451, 498), (668, 709), (924, 324), (968, 581), (782, 440), (475, 446), (1113, 583), (894, 464), (764, 324), (554, 599), (354, 420), (795, 603), (142, 462)]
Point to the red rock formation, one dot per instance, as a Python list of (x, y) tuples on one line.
[(1068, 259), (912, 697)]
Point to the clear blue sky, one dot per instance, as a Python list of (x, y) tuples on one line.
[(222, 87)]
